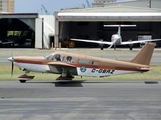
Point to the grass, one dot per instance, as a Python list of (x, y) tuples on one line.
[(154, 74), (77, 51)]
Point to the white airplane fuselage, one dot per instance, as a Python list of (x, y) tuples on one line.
[(116, 39)]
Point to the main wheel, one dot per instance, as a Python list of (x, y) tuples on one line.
[(22, 81), (130, 47)]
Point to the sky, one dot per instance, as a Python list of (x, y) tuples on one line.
[(34, 6)]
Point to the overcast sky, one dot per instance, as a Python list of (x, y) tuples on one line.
[(34, 6)]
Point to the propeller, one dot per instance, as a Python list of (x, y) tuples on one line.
[(11, 59), (12, 68), (112, 44)]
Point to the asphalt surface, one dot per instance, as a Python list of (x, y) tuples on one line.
[(80, 100)]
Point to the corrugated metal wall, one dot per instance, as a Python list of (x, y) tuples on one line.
[(38, 33), (47, 30)]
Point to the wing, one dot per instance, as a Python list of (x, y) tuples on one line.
[(57, 67), (138, 41), (92, 41), (9, 42)]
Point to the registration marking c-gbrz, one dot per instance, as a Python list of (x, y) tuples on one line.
[(102, 71)]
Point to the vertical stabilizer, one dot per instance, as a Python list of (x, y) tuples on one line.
[(119, 30), (144, 55)]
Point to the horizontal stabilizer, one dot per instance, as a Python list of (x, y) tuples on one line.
[(144, 69), (119, 25)]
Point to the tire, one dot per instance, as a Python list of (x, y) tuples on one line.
[(22, 81)]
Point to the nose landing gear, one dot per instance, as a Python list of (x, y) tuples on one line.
[(24, 78)]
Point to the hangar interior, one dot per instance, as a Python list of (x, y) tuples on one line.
[(17, 30), (96, 31)]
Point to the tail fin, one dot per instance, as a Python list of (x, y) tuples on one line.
[(144, 55), (119, 30)]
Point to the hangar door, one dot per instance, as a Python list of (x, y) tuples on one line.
[(96, 31), (17, 33)]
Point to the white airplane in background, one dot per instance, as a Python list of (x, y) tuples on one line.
[(116, 39)]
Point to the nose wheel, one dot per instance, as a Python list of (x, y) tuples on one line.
[(24, 78), (22, 81)]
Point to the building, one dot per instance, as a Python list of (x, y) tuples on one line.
[(138, 3), (89, 23), (7, 5), (84, 23), (101, 3)]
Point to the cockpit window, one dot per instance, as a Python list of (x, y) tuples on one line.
[(54, 57), (58, 57)]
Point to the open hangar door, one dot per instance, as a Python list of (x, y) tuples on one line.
[(82, 30), (17, 33), (96, 31)]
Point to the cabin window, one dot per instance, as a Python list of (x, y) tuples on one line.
[(58, 57), (83, 61), (69, 59), (94, 63)]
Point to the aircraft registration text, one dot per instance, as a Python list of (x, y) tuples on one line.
[(102, 71)]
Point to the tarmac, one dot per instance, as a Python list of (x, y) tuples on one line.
[(80, 100)]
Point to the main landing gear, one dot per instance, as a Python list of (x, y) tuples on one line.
[(65, 76), (64, 79)]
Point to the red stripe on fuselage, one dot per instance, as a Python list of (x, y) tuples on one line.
[(44, 62)]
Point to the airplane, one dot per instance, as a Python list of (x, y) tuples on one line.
[(19, 40), (5, 43), (116, 39), (69, 65)]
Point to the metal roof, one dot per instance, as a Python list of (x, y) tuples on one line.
[(116, 8), (18, 15), (112, 13)]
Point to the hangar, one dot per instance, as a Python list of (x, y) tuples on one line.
[(26, 30), (17, 28), (89, 23)]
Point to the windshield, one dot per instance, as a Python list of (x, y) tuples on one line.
[(47, 56)]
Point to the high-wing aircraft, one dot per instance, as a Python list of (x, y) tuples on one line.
[(69, 65), (116, 39)]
